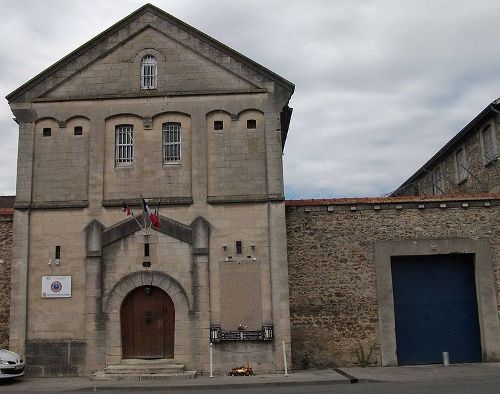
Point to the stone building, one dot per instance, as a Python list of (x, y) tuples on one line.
[(150, 107), (394, 281), (468, 163)]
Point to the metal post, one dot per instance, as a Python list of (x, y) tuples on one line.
[(446, 359), (211, 360), (284, 359)]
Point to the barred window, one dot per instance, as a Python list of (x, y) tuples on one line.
[(437, 181), (489, 150), (171, 142), (124, 145), (148, 72), (461, 165)]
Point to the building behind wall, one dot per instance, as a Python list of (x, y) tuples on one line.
[(150, 107), (468, 163)]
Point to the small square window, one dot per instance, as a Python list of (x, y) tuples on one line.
[(218, 125), (78, 130), (251, 124), (47, 131)]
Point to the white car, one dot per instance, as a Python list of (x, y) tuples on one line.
[(11, 364)]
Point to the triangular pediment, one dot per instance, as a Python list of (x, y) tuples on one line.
[(180, 70), (193, 62)]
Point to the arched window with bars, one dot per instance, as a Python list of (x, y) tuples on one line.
[(149, 72)]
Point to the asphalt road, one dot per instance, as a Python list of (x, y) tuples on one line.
[(456, 386)]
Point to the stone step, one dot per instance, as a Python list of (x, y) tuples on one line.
[(145, 369), (154, 361), (102, 376)]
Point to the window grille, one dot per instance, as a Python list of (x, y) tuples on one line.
[(488, 144), (437, 181), (461, 165), (124, 145), (148, 72), (171, 143)]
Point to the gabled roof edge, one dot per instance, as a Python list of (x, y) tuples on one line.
[(199, 34)]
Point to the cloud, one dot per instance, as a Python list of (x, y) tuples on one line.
[(380, 86)]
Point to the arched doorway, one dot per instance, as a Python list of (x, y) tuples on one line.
[(147, 324)]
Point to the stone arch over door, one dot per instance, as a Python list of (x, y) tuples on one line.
[(120, 291)]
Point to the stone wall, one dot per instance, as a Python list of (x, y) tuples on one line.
[(331, 260), (5, 262)]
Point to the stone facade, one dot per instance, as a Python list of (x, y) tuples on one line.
[(336, 270), (482, 170), (5, 262), (225, 187)]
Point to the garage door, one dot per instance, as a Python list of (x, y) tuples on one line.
[(435, 309)]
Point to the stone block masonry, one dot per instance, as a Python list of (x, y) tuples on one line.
[(332, 265), (5, 262)]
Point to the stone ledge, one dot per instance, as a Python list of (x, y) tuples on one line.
[(138, 201), (51, 204), (141, 95), (244, 199)]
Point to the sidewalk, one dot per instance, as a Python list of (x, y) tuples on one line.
[(308, 377)]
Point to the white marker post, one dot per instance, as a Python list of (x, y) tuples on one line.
[(284, 359), (211, 360), (446, 359)]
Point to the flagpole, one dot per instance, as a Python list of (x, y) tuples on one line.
[(145, 214), (132, 212)]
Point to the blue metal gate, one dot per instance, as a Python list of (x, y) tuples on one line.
[(435, 309)]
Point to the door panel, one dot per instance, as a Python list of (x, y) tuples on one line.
[(148, 323), (435, 309)]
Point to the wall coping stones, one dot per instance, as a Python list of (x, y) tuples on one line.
[(244, 199), (398, 203), (398, 199)]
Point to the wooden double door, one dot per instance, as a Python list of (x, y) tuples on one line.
[(147, 324)]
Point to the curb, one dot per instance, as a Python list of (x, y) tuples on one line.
[(215, 385)]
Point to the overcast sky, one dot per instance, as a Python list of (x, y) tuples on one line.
[(380, 85)]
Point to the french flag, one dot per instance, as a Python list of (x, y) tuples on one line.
[(153, 215)]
